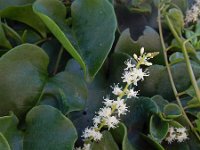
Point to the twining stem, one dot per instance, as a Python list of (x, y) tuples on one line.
[(171, 77), (187, 60)]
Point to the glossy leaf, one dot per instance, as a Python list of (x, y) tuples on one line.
[(158, 81), (150, 40), (160, 102), (176, 58), (67, 90), (23, 73), (51, 127), (176, 17), (107, 143), (25, 81), (25, 15), (4, 143), (152, 143), (121, 137), (5, 4), (90, 52), (172, 111), (190, 91), (8, 127), (158, 128)]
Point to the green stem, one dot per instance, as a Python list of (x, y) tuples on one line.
[(187, 60), (58, 61), (171, 77), (124, 91), (190, 71), (40, 41)]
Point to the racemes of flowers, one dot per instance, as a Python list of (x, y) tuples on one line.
[(109, 116), (176, 134)]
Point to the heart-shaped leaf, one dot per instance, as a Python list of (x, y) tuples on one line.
[(51, 127), (24, 81), (89, 18), (150, 40), (23, 74)]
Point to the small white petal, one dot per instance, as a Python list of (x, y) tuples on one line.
[(105, 112), (116, 89), (135, 56), (141, 51)]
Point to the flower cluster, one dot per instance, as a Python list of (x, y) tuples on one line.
[(109, 116), (176, 134), (193, 13)]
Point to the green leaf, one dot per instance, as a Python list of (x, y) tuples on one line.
[(25, 15), (158, 82), (153, 144), (23, 73), (5, 3), (24, 82), (4, 143), (89, 18), (158, 128), (150, 40), (8, 127), (182, 4), (190, 91), (4, 41), (140, 111), (106, 143), (176, 17), (121, 137), (176, 58), (12, 34), (97, 89), (68, 90), (160, 101), (172, 111), (48, 128)]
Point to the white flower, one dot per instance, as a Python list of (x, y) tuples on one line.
[(178, 134), (172, 135), (96, 121), (133, 76), (181, 134), (90, 132), (86, 147), (131, 93), (140, 74), (105, 112), (117, 90), (193, 13), (181, 130), (120, 107), (108, 102), (129, 64), (127, 77), (111, 122), (182, 137)]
